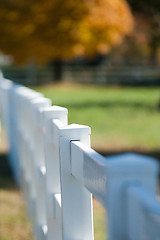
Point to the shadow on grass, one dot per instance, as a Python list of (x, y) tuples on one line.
[(6, 177), (114, 104), (136, 106)]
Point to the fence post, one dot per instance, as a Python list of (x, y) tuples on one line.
[(122, 171), (19, 100), (22, 99), (143, 212), (53, 169), (77, 219), (37, 185)]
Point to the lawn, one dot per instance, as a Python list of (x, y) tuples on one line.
[(120, 118), (14, 224)]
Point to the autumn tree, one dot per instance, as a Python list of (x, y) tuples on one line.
[(148, 13), (58, 30)]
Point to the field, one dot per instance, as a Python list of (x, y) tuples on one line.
[(121, 119)]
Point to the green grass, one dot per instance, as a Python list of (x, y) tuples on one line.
[(99, 221), (120, 118)]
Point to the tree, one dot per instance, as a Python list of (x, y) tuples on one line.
[(149, 11), (55, 30)]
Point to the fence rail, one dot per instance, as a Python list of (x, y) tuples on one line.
[(103, 74), (58, 172)]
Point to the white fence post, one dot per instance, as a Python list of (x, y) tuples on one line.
[(8, 118), (143, 213), (77, 218), (53, 169), (39, 168), (37, 163), (125, 170), (24, 136), (19, 100)]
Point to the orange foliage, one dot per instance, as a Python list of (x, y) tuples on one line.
[(56, 29)]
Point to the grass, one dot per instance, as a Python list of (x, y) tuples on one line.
[(13, 222), (120, 118), (99, 221)]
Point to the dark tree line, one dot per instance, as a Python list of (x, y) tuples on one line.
[(150, 10)]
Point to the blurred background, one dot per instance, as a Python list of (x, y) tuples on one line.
[(98, 58)]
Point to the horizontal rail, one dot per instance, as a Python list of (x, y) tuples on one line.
[(89, 168), (142, 205)]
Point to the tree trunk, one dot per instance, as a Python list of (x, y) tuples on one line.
[(153, 52), (57, 67)]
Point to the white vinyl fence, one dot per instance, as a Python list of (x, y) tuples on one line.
[(58, 172)]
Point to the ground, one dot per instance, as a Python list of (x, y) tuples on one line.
[(14, 224)]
